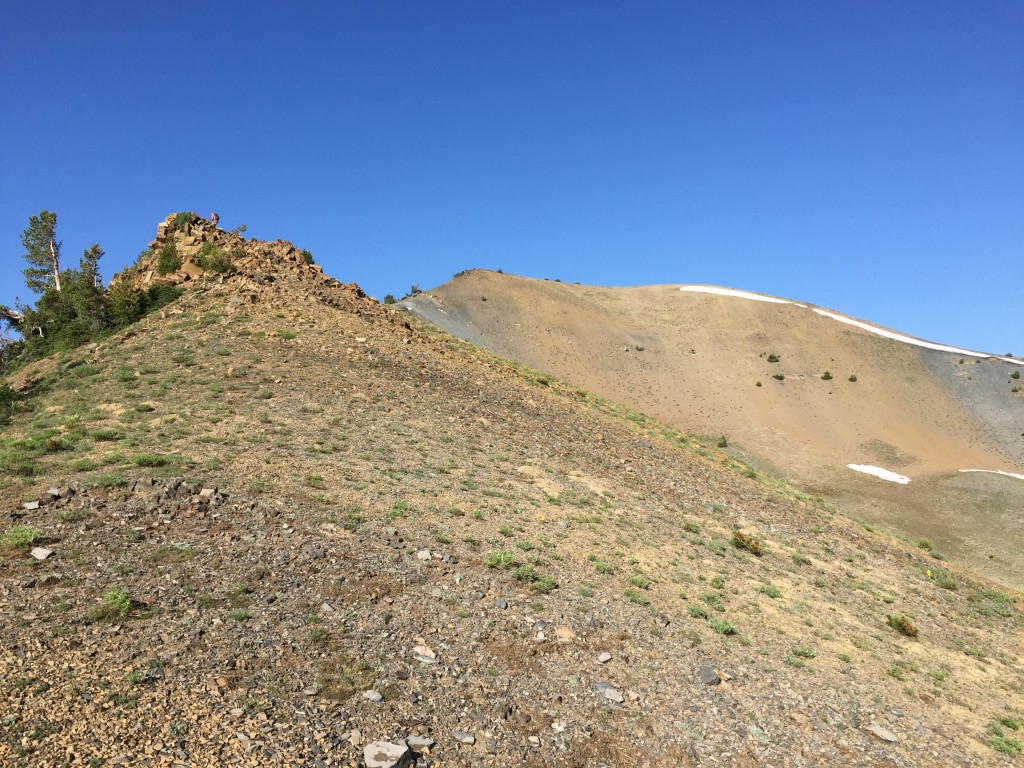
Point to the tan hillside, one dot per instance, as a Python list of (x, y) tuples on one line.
[(291, 526), (700, 363)]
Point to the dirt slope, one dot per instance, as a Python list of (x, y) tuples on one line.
[(699, 362), (290, 522)]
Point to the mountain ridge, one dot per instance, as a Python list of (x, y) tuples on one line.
[(291, 525)]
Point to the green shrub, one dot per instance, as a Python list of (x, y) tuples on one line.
[(20, 537), (826, 376), (804, 652), (853, 377), (779, 376), (637, 597), (1000, 742), (183, 219), (168, 260), (722, 627), (500, 558), (115, 605), (698, 611), (1015, 375), (723, 442), (773, 358), (213, 259)]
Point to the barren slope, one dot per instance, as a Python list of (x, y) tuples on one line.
[(515, 571), (700, 362)]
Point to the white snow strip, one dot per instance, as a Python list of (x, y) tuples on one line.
[(885, 474), (849, 321), (996, 472), (739, 294), (910, 340)]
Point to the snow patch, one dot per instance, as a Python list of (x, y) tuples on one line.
[(885, 474), (909, 339), (738, 294), (995, 472)]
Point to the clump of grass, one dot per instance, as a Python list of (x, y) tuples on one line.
[(826, 376), (114, 605), (768, 589), (151, 460), (779, 376), (20, 537), (804, 652), (637, 597), (106, 435), (537, 582), (639, 581), (698, 611), (500, 558), (723, 627), (903, 625), (999, 741)]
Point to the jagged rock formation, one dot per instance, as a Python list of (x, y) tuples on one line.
[(251, 267)]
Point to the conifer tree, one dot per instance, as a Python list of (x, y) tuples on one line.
[(42, 252)]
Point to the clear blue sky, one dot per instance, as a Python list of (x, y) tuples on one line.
[(865, 156)]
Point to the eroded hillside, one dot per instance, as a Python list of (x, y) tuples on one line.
[(289, 523)]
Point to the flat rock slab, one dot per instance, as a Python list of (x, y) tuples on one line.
[(882, 733), (387, 754)]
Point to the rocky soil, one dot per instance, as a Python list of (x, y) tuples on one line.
[(284, 525)]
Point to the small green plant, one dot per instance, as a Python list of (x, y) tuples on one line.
[(241, 615), (698, 611), (20, 537), (691, 526), (773, 358), (500, 558), (723, 442), (1015, 375), (799, 558), (853, 377), (639, 581), (636, 597), (722, 627), (804, 652), (826, 376), (115, 604), (925, 545), (903, 625), (768, 589), (779, 376)]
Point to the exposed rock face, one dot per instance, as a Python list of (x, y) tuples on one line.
[(189, 239), (251, 267)]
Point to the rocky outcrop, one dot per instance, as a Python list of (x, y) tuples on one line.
[(202, 248)]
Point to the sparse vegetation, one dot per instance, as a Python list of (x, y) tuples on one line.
[(20, 537), (114, 605)]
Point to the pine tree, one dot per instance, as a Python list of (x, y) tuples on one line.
[(42, 252)]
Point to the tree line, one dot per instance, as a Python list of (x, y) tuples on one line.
[(73, 305)]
